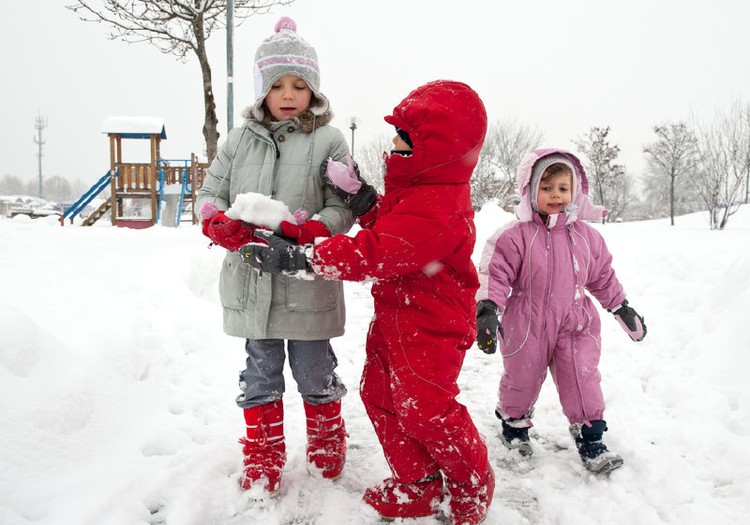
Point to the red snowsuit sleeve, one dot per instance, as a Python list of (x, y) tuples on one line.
[(421, 229)]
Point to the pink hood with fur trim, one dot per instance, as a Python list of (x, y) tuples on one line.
[(580, 208)]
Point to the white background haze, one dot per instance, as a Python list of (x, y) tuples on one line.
[(561, 67)]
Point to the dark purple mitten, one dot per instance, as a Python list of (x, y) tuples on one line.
[(630, 321)]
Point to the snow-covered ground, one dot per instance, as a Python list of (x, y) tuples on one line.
[(117, 389)]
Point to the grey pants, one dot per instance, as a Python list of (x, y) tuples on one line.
[(312, 364)]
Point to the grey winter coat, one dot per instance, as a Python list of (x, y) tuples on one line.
[(284, 163)]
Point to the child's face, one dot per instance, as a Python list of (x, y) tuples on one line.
[(554, 194), (399, 144), (289, 97)]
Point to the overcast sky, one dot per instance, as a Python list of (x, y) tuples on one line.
[(559, 66)]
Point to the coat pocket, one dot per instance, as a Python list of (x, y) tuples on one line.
[(312, 296), (234, 289), (516, 325)]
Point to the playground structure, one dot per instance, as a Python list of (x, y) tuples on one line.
[(166, 186)]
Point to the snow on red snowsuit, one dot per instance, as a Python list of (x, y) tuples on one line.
[(417, 251), (538, 272)]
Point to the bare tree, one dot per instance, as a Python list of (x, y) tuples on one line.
[(494, 177), (655, 190), (371, 163), (57, 188), (12, 185), (175, 27), (673, 156), (611, 186), (725, 163)]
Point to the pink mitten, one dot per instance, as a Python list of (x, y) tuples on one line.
[(343, 175)]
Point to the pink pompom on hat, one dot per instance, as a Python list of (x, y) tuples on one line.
[(301, 216)]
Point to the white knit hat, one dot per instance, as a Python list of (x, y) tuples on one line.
[(285, 53)]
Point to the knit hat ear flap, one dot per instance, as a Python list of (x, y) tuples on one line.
[(286, 53)]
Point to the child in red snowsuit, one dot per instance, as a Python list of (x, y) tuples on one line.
[(416, 246)]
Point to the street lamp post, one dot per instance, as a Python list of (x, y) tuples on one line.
[(230, 65), (353, 121)]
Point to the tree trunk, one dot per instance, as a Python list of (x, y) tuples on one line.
[(210, 122), (600, 187), (672, 176)]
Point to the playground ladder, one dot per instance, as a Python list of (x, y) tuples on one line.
[(98, 213)]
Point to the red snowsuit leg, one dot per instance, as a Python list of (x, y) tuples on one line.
[(409, 393), (408, 458)]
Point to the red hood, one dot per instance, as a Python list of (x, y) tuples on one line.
[(446, 122)]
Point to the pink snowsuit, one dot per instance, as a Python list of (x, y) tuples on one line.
[(537, 273)]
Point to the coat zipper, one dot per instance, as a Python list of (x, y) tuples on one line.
[(577, 272), (548, 291)]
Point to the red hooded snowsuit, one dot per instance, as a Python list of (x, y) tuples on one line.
[(418, 252)]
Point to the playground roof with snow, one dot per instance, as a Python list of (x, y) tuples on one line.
[(135, 127)]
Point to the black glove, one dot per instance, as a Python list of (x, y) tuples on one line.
[(347, 183), (279, 256), (488, 326), (630, 321)]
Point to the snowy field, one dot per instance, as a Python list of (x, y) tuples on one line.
[(117, 389)]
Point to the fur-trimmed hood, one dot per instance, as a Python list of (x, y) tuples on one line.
[(580, 208), (308, 120)]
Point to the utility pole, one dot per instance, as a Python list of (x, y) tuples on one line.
[(40, 124), (230, 65)]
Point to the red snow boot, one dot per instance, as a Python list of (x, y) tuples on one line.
[(406, 500), (264, 447), (470, 502), (326, 439)]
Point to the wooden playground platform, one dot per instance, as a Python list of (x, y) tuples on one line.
[(167, 184)]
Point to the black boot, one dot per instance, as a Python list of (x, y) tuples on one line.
[(515, 437), (592, 450)]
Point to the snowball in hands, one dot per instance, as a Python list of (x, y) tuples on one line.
[(260, 210)]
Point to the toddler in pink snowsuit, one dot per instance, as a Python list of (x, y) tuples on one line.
[(535, 273)]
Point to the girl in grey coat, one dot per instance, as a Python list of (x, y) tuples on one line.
[(278, 152)]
